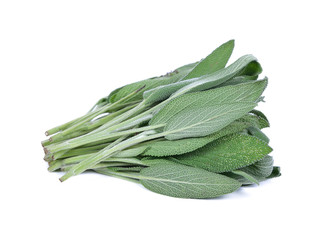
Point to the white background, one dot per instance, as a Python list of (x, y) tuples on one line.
[(58, 57)]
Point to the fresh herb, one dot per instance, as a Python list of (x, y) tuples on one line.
[(192, 133)]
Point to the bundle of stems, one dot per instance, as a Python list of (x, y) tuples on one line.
[(192, 133)]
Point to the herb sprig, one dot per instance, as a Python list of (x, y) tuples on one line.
[(192, 133)]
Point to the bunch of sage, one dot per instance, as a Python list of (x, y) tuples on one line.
[(192, 133)]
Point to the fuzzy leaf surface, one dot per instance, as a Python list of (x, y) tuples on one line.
[(247, 92), (227, 154), (181, 181), (150, 83), (200, 83), (181, 146), (213, 62), (244, 181), (199, 122), (262, 168)]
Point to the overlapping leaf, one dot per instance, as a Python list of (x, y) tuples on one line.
[(181, 181), (247, 92), (200, 83), (227, 153), (176, 147)]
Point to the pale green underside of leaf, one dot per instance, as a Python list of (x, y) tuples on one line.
[(181, 181), (150, 83), (276, 172), (254, 131), (262, 168), (176, 147), (200, 83), (246, 176), (199, 122), (247, 92), (227, 154), (213, 62)]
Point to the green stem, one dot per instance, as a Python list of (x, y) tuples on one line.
[(78, 151), (77, 159), (99, 165), (76, 142), (91, 113), (65, 134), (97, 158)]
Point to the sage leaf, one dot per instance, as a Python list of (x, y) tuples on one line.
[(254, 131), (213, 62), (200, 83), (181, 146), (245, 180), (150, 83), (199, 122), (246, 176), (247, 92), (181, 181), (262, 119), (227, 154), (262, 168), (149, 161)]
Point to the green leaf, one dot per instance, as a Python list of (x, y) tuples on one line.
[(227, 154), (199, 122), (148, 161), (262, 168), (246, 176), (181, 181), (150, 83), (275, 172), (181, 146), (262, 119), (247, 92), (213, 62), (254, 131), (198, 84)]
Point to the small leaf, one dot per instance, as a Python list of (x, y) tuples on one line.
[(213, 62), (181, 181), (262, 119), (254, 131), (150, 83), (275, 172), (246, 175), (262, 168), (227, 154)]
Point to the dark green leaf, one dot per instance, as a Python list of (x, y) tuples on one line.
[(227, 154)]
